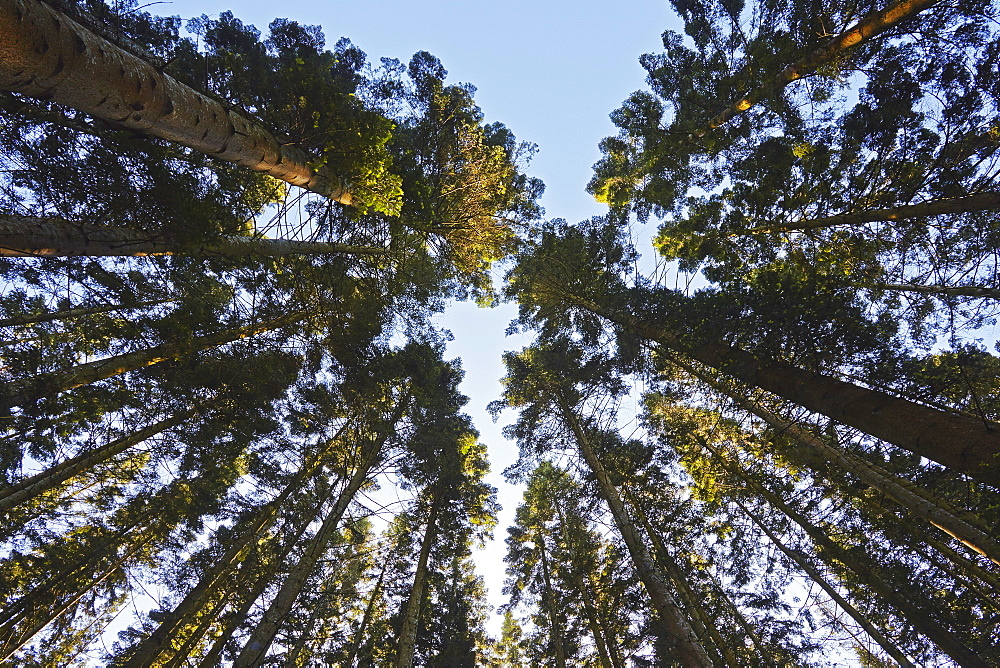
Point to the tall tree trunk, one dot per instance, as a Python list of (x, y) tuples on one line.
[(557, 634), (764, 655), (31, 487), (359, 635), (674, 624), (76, 312), (814, 574), (861, 32), (939, 290), (923, 622), (921, 503), (986, 201), (26, 391), (23, 236), (411, 613), (46, 54), (963, 444), (255, 650)]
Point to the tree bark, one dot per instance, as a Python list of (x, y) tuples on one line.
[(359, 635), (23, 236), (557, 634), (411, 614), (46, 54), (965, 204), (75, 312), (861, 32), (674, 624), (966, 445), (26, 391), (29, 488)]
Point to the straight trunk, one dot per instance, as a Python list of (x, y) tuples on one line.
[(594, 623), (29, 488), (359, 635), (26, 391), (978, 202), (963, 444), (922, 621), (935, 511), (411, 614), (861, 32), (557, 634), (874, 633), (75, 312), (744, 623), (46, 54), (23, 236), (256, 648), (672, 620)]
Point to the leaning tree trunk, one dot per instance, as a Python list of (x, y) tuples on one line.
[(411, 613), (921, 503), (29, 488), (75, 312), (26, 391), (963, 444), (48, 55), (674, 624), (986, 201), (359, 635), (23, 236), (556, 634), (835, 49)]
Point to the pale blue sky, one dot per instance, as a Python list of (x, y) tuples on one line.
[(551, 71)]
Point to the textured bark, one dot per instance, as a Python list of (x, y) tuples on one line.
[(411, 614), (874, 633), (981, 292), (861, 32), (24, 236), (29, 488), (674, 624), (966, 445), (71, 313), (921, 503), (46, 54), (28, 390), (968, 203)]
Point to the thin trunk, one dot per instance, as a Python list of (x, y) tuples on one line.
[(23, 236), (257, 645), (594, 623), (292, 658), (610, 637), (863, 31), (557, 634), (978, 202), (742, 621), (935, 511), (411, 614), (672, 620), (359, 635), (30, 488), (919, 618), (26, 391), (691, 598), (48, 55), (76, 312), (963, 444), (939, 290), (874, 633)]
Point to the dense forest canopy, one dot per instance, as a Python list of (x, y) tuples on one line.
[(230, 435)]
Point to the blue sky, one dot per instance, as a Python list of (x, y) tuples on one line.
[(551, 71)]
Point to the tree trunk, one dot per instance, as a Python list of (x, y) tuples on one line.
[(26, 391), (75, 312), (48, 55), (29, 488), (411, 614), (594, 623), (861, 32), (916, 616), (935, 511), (359, 635), (978, 202), (22, 236), (674, 624), (874, 633), (939, 290), (963, 444), (255, 650)]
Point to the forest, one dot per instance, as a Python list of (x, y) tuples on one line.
[(229, 433)]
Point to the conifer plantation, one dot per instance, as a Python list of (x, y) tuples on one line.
[(230, 434)]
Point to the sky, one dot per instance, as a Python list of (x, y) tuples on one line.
[(551, 71)]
